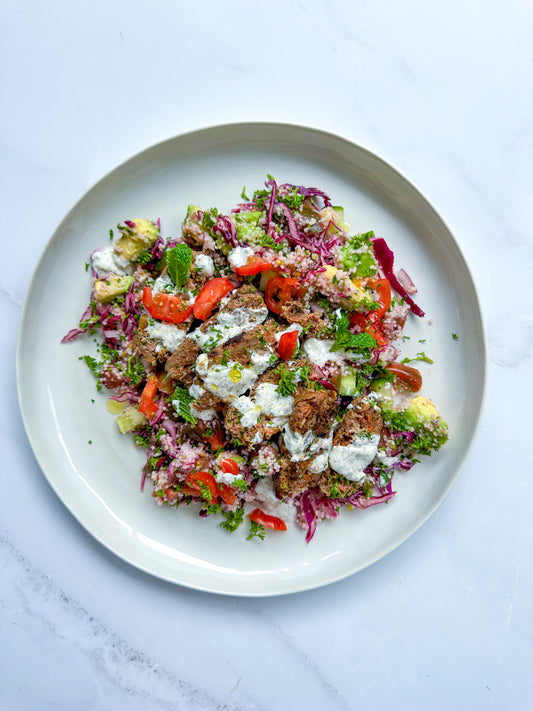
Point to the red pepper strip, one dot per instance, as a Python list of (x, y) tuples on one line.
[(192, 485), (212, 292), (254, 265), (229, 466), (273, 522), (146, 404), (279, 290), (287, 345), (166, 307), (410, 376)]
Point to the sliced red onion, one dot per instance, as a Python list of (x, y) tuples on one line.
[(72, 334), (406, 281), (310, 516), (159, 412), (271, 206), (363, 503), (326, 384), (143, 479), (385, 257), (170, 426)]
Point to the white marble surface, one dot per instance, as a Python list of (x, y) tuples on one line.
[(444, 91)]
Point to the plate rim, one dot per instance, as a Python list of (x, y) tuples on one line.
[(280, 126)]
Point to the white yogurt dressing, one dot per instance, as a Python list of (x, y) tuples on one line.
[(270, 503), (227, 477), (266, 401), (304, 446), (319, 352), (293, 327), (238, 256), (228, 325), (105, 261), (351, 460), (163, 284), (166, 335), (204, 264), (225, 381)]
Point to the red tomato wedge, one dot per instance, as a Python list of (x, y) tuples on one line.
[(254, 265), (279, 290), (147, 404), (229, 466), (372, 322), (287, 345), (211, 293), (192, 486), (273, 522), (383, 289), (227, 494), (166, 307), (217, 439), (410, 376)]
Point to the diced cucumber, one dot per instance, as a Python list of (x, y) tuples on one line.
[(129, 419)]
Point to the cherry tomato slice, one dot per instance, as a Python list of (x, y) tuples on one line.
[(273, 522), (193, 488), (227, 494), (254, 265), (146, 404), (229, 466), (166, 307), (211, 293), (410, 376), (287, 345), (279, 290)]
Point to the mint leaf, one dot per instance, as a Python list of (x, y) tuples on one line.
[(179, 259)]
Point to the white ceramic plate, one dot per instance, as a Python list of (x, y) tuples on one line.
[(99, 481)]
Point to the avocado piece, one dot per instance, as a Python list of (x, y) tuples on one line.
[(136, 236), (112, 286)]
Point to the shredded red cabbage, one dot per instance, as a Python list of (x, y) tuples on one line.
[(385, 257), (226, 229)]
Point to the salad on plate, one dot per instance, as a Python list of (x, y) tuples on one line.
[(256, 358)]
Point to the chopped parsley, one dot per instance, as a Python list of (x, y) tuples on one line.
[(233, 520), (256, 529), (455, 337), (288, 382), (419, 356)]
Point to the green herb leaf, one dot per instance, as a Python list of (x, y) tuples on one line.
[(179, 260), (346, 340), (233, 520), (182, 404), (256, 529), (419, 356)]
